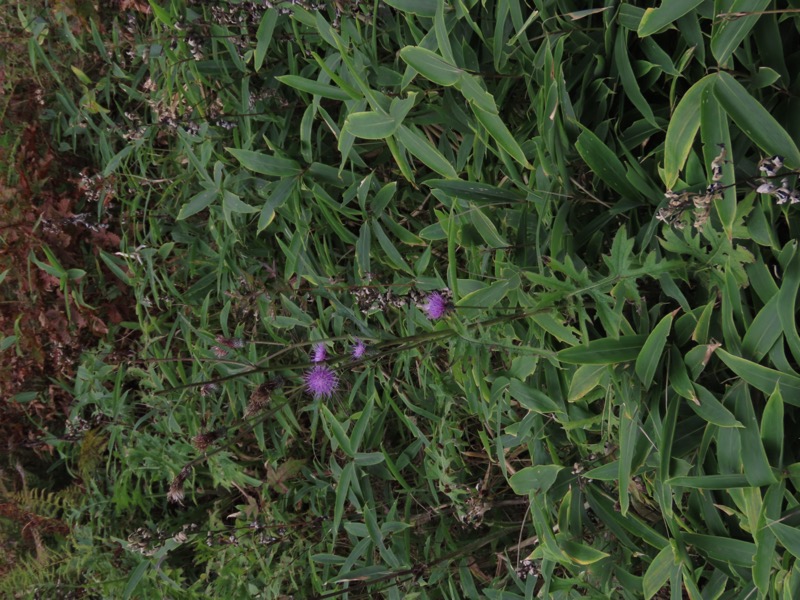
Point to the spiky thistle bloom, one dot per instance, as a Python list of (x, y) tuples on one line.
[(319, 353), (436, 306), (359, 349), (321, 381)]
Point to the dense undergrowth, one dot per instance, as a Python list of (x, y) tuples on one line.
[(403, 299)]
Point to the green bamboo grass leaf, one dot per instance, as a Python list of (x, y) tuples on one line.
[(754, 458), (659, 571), (264, 36), (500, 133), (728, 33), (585, 379), (604, 163), (679, 377), (629, 433), (370, 125), (723, 549), (763, 332), (487, 229), (630, 524), (258, 162), (471, 89), (197, 203), (421, 148), (316, 88), (754, 120), (531, 398), (392, 253), (712, 410), (682, 130), (789, 537), (476, 191), (278, 195), (337, 430), (581, 554), (629, 81), (763, 378), (710, 482), (772, 428), (652, 352), (431, 66), (765, 538), (536, 479), (135, 579), (342, 489), (421, 8), (655, 19), (490, 295), (714, 130), (605, 351), (787, 298)]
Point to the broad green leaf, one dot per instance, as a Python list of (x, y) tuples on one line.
[(658, 572), (763, 332), (264, 36), (431, 66), (470, 87), (630, 82), (197, 203), (394, 256), (422, 8), (502, 136), (421, 148), (581, 554), (754, 458), (370, 125), (487, 229), (604, 163), (723, 549), (489, 296), (655, 19), (342, 489), (763, 378), (682, 130), (712, 410), (604, 351), (337, 430), (476, 191), (728, 33), (653, 350), (584, 380), (629, 433), (266, 164), (789, 537), (772, 430), (754, 120), (536, 479), (710, 482), (531, 398), (278, 195), (316, 88), (714, 130)]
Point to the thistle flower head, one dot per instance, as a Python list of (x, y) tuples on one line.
[(436, 306), (321, 381), (319, 353), (359, 349)]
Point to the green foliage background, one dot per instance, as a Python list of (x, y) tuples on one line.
[(609, 407)]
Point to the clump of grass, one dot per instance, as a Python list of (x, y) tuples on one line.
[(413, 315)]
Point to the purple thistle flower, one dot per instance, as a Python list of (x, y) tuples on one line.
[(435, 306), (359, 349), (321, 381), (319, 353)]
